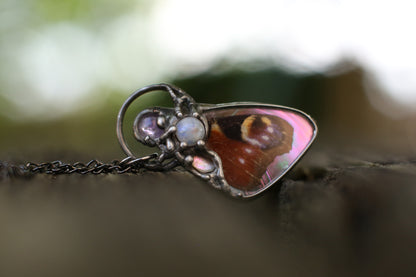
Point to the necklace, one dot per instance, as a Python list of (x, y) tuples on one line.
[(241, 148)]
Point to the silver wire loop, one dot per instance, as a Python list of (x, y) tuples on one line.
[(125, 106), (184, 105)]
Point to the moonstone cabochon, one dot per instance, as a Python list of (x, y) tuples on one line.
[(258, 144)]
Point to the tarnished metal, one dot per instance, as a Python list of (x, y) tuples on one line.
[(172, 149), (185, 136), (95, 167)]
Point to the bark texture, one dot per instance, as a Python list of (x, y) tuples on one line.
[(333, 215)]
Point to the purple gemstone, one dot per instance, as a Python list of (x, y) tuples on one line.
[(147, 126)]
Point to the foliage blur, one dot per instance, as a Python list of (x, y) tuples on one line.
[(348, 107)]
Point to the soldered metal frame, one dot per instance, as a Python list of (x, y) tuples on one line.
[(174, 152)]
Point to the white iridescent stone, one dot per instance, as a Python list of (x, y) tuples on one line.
[(203, 165), (190, 130)]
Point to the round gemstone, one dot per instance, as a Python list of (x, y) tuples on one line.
[(147, 126), (190, 130), (203, 165)]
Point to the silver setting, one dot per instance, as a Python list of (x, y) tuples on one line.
[(174, 152)]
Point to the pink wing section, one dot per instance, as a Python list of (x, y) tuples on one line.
[(257, 146)]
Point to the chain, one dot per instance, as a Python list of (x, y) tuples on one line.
[(127, 165)]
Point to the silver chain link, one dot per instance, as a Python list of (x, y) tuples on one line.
[(95, 167)]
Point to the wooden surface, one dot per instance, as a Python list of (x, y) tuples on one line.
[(333, 215)]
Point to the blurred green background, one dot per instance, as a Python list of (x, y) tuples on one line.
[(67, 66)]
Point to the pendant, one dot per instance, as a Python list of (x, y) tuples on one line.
[(240, 148)]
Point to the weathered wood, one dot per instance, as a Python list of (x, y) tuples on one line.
[(332, 215)]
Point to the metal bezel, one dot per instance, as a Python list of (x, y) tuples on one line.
[(173, 151), (254, 105)]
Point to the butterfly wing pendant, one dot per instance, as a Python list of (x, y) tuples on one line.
[(257, 143), (241, 148)]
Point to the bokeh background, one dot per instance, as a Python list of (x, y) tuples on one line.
[(67, 66)]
